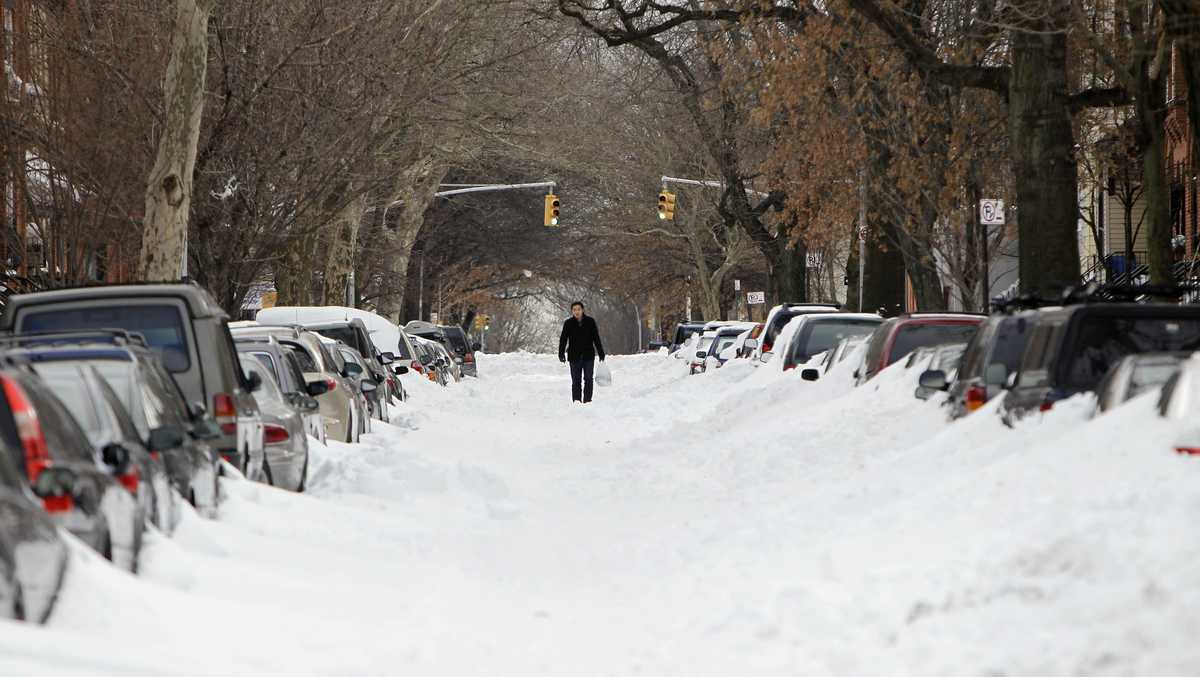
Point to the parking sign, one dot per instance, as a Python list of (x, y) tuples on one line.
[(991, 212), (755, 298)]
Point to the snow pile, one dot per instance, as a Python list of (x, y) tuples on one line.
[(741, 521)]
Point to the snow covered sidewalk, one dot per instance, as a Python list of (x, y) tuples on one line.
[(739, 522)]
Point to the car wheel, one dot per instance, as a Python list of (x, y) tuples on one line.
[(266, 471)]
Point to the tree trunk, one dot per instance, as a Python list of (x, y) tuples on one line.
[(1158, 202), (1043, 159), (168, 191), (883, 284), (787, 270), (341, 244), (417, 189)]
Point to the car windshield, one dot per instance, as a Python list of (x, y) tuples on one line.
[(705, 342), (402, 352), (915, 335), (63, 378), (1100, 341), (819, 336), (161, 325)]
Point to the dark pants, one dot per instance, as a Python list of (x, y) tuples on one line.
[(582, 369)]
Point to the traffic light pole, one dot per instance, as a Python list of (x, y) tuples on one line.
[(710, 183), (475, 188)]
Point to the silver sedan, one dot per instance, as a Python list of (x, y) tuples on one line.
[(285, 436)]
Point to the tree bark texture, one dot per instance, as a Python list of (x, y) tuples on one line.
[(168, 191)]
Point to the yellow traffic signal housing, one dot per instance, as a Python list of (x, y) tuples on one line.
[(666, 206), (551, 213)]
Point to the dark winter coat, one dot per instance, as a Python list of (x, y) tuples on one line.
[(580, 335)]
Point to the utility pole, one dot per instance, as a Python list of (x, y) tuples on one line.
[(421, 287)]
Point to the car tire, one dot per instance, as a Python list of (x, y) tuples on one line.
[(266, 471)]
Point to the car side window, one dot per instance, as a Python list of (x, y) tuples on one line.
[(117, 410), (292, 365)]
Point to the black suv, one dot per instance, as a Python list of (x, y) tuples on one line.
[(991, 355), (1071, 349)]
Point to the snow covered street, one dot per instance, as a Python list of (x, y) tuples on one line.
[(739, 522)]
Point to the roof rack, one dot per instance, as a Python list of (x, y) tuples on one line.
[(113, 336), (1008, 306), (1125, 293), (812, 303)]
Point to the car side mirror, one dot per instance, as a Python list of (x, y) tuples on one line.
[(402, 369), (316, 388), (54, 482), (206, 429), (308, 404), (810, 374), (253, 381), (1011, 381), (996, 375), (387, 358), (351, 370), (368, 387), (750, 344), (934, 379), (116, 457), (701, 354), (165, 437)]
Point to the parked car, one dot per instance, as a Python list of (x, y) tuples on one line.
[(778, 318), (80, 492), (1179, 401), (1135, 374), (427, 360), (1071, 348), (898, 336), (184, 325), (104, 420), (339, 411), (720, 348), (748, 341), (285, 435), (33, 558), (696, 361), (370, 391), (683, 331), (464, 350), (944, 359), (286, 369), (821, 332), (991, 355), (446, 361)]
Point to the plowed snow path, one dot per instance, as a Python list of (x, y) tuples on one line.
[(740, 522)]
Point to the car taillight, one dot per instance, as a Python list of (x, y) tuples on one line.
[(275, 434), (416, 366), (469, 357), (29, 429), (976, 397), (53, 504), (788, 367), (130, 480), (1046, 405), (225, 412), (766, 347), (331, 383), (1188, 451)]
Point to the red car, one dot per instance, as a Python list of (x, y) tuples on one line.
[(899, 336)]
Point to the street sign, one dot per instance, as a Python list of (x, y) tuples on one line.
[(756, 298), (433, 318), (991, 212), (737, 285)]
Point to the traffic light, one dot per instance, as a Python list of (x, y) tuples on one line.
[(551, 214), (666, 206)]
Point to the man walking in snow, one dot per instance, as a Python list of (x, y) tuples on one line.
[(579, 337)]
